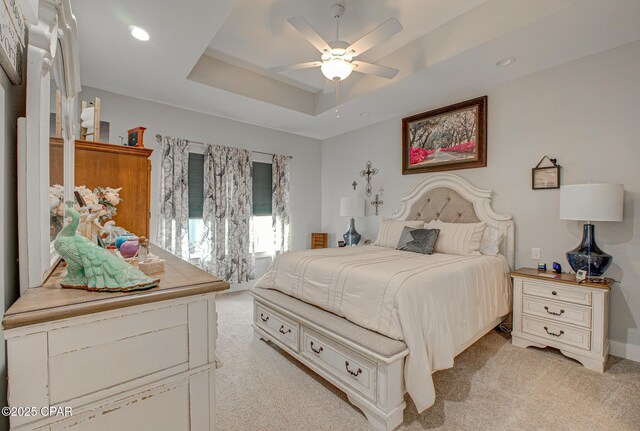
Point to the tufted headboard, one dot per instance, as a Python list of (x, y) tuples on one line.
[(452, 199)]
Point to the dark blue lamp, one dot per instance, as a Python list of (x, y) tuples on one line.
[(352, 207), (591, 202)]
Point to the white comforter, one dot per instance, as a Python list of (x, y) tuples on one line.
[(436, 303)]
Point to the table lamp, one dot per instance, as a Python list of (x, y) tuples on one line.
[(591, 202), (352, 207)]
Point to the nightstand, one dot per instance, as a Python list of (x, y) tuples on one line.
[(555, 310)]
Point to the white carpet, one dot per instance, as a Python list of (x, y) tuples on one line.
[(493, 386)]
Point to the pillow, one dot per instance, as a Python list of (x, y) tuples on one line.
[(390, 231), (458, 238), (491, 241), (418, 240)]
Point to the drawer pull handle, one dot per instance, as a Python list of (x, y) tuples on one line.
[(282, 331), (317, 352), (554, 293), (553, 333), (553, 312), (353, 373), (264, 319)]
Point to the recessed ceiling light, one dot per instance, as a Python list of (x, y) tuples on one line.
[(504, 62), (139, 33)]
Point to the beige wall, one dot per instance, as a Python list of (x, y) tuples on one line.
[(585, 114)]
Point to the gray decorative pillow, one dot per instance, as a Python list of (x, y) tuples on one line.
[(418, 240)]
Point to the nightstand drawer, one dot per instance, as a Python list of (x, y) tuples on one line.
[(556, 291), (558, 332), (557, 311)]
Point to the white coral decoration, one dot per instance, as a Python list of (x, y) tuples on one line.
[(112, 195), (56, 200), (100, 207), (90, 198)]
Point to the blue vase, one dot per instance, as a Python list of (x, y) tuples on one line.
[(588, 256), (352, 237)]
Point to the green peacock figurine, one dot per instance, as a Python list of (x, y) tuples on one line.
[(91, 267)]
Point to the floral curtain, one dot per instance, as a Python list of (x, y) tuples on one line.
[(280, 202), (226, 243), (173, 225)]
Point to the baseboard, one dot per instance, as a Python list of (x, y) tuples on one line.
[(624, 350)]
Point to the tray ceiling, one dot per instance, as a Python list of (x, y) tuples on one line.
[(214, 56)]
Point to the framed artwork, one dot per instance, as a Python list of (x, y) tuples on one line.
[(12, 40), (453, 137), (546, 177), (136, 137)]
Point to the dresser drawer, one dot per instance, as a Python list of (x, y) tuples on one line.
[(277, 325), (85, 359), (350, 367), (557, 311), (557, 332), (556, 291)]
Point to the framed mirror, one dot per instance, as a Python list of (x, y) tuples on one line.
[(45, 167)]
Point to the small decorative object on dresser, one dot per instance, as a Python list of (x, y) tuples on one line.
[(592, 202), (94, 268), (136, 137), (546, 177), (556, 310), (352, 207), (453, 137), (318, 240)]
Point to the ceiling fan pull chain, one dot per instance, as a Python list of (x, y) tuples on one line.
[(337, 97)]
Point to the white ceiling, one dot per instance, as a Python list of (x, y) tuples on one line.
[(257, 32), (212, 56)]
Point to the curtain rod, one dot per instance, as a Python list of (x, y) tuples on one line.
[(159, 140)]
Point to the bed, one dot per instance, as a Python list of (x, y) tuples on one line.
[(375, 321)]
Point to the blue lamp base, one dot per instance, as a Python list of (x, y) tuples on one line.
[(588, 255), (352, 237)]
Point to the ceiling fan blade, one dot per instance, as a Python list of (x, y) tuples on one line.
[(329, 87), (296, 66), (375, 69), (301, 24), (378, 35)]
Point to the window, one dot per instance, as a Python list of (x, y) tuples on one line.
[(196, 199), (263, 235)]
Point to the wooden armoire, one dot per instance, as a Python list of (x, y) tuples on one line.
[(98, 164)]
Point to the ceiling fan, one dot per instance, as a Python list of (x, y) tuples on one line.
[(337, 59)]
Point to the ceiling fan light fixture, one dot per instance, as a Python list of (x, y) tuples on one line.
[(139, 33), (336, 69)]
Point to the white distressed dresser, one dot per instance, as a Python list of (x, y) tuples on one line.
[(557, 311), (120, 361)]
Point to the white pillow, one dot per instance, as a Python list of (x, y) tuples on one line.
[(458, 238), (390, 231), (491, 241)]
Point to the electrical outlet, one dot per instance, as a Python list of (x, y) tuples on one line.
[(535, 253)]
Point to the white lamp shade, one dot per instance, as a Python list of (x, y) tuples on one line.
[(592, 202), (351, 207)]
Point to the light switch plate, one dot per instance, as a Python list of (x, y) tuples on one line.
[(535, 253)]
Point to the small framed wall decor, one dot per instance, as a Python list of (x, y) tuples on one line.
[(546, 177), (136, 137)]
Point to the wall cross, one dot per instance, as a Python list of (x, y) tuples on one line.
[(368, 172), (376, 203)]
